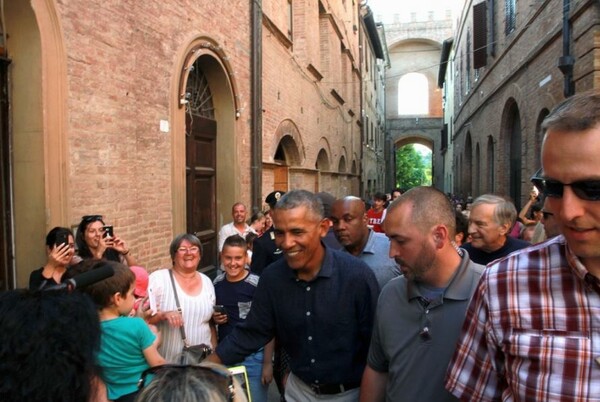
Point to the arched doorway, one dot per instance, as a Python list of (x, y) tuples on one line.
[(491, 166), (34, 172), (513, 148), (205, 152), (468, 166)]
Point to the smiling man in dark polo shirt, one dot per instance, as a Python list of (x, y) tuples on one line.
[(319, 302)]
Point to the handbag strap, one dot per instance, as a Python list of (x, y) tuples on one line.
[(182, 328)]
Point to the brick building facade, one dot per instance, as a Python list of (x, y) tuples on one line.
[(144, 112), (503, 79)]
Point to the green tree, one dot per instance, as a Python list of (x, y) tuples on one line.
[(412, 169)]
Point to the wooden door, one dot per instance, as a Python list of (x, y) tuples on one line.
[(280, 178), (201, 167)]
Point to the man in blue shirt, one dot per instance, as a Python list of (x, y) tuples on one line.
[(319, 302), (350, 224)]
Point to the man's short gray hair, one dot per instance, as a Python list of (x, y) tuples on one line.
[(505, 211), (299, 198)]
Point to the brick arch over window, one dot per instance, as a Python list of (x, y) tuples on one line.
[(287, 152), (342, 165), (289, 141), (322, 162), (354, 168)]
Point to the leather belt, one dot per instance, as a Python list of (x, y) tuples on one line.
[(332, 389)]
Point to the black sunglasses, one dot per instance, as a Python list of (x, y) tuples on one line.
[(221, 373), (91, 218), (588, 190)]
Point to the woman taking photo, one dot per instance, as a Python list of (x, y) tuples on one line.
[(196, 296), (60, 248), (93, 242)]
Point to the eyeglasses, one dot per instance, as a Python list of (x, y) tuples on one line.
[(547, 214), (223, 374), (91, 218), (588, 190), (184, 250)]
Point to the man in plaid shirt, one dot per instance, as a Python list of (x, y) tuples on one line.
[(532, 331)]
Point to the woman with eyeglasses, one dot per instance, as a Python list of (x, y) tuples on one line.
[(60, 248), (94, 241), (196, 296)]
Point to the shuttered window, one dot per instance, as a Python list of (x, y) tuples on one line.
[(480, 35), (510, 8)]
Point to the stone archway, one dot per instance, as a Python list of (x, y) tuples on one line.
[(409, 139), (38, 187)]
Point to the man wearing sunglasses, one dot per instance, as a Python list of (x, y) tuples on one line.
[(532, 329)]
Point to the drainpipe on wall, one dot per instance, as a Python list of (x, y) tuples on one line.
[(256, 111), (361, 184), (566, 62)]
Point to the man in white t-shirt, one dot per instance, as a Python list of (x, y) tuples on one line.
[(238, 226)]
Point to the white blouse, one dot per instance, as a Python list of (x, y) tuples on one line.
[(197, 312)]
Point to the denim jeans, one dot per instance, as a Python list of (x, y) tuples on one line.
[(254, 364)]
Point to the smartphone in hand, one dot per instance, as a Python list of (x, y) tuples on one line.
[(108, 231), (219, 308), (61, 238)]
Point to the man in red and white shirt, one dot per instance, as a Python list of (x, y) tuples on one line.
[(375, 213), (532, 331)]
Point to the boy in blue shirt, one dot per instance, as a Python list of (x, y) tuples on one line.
[(127, 347), (234, 290)]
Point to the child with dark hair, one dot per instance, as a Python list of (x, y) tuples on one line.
[(128, 346)]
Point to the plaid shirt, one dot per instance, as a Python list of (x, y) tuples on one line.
[(532, 331)]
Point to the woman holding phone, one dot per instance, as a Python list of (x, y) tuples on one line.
[(60, 247), (96, 240)]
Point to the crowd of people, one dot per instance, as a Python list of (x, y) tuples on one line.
[(421, 297)]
